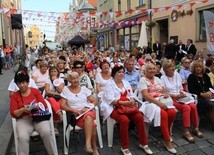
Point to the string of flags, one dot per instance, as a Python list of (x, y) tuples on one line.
[(65, 21)]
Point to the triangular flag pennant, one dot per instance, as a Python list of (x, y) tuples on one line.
[(179, 6), (191, 4)]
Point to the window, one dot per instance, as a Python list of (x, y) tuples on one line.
[(202, 29), (141, 2), (129, 5), (119, 5)]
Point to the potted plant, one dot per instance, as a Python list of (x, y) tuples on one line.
[(151, 24)]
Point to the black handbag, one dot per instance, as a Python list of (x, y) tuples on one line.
[(55, 96)]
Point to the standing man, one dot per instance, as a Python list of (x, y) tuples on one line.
[(170, 50), (157, 49), (180, 48), (190, 48)]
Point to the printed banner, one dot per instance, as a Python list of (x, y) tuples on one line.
[(209, 25)]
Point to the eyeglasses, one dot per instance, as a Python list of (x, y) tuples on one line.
[(77, 67), (187, 62)]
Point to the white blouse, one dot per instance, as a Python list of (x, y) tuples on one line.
[(77, 101), (99, 79), (173, 85), (59, 80)]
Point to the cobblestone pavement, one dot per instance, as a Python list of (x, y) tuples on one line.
[(204, 146)]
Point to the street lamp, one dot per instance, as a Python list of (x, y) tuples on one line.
[(150, 19)]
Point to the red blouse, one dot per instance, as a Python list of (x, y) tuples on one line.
[(17, 102)]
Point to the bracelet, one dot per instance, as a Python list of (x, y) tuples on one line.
[(117, 102)]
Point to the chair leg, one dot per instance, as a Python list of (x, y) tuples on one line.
[(99, 132), (110, 131), (147, 125)]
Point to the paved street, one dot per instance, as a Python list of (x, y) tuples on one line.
[(203, 146)]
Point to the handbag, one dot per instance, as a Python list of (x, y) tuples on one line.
[(55, 96), (41, 115), (167, 101), (126, 109)]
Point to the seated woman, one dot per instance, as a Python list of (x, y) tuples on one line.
[(173, 85), (40, 76), (118, 92), (54, 86), (77, 100), (103, 77), (152, 89), (79, 67), (63, 70), (19, 108), (199, 84)]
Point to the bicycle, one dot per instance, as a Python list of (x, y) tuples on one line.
[(17, 62)]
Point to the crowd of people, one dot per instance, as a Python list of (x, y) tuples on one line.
[(165, 78)]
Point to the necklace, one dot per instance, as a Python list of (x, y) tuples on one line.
[(201, 83)]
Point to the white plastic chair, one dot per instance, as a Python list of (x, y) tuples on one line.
[(35, 133), (110, 130), (66, 132)]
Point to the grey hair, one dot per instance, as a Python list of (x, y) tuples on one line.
[(72, 75)]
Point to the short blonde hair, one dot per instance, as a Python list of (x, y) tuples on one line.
[(167, 64), (72, 75), (147, 66), (197, 63)]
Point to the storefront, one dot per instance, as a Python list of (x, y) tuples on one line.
[(182, 24), (128, 33)]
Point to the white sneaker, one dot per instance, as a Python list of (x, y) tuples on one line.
[(56, 132), (126, 151), (146, 149)]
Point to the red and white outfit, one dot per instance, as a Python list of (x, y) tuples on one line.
[(79, 101), (112, 93), (173, 85), (162, 117), (54, 104)]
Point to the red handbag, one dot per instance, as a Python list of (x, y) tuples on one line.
[(125, 109)]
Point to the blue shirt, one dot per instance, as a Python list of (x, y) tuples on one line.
[(184, 73), (133, 78)]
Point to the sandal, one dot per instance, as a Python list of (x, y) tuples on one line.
[(96, 152), (198, 133), (88, 148), (189, 137)]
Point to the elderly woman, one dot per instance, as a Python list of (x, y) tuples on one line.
[(77, 100), (173, 85), (41, 76), (19, 109), (104, 77), (119, 93), (152, 89), (53, 87), (199, 84)]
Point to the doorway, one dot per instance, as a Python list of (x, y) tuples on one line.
[(164, 30)]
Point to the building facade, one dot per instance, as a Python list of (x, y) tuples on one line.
[(184, 20), (10, 36), (125, 30), (34, 36)]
